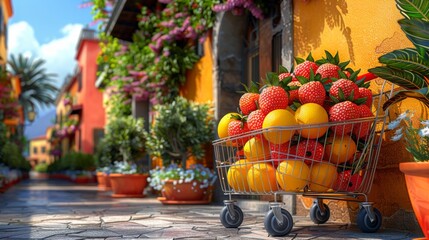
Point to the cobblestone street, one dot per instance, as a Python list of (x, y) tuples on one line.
[(46, 209)]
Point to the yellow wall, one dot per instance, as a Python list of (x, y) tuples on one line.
[(41, 157), (199, 80)]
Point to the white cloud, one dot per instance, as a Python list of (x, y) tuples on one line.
[(59, 53)]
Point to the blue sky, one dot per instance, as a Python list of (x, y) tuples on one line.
[(48, 29)]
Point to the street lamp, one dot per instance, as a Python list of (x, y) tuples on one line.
[(31, 115)]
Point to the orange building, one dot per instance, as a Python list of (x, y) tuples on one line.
[(80, 112)]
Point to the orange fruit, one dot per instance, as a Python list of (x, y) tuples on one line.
[(340, 149), (312, 113), (322, 176), (237, 175), (222, 127), (278, 118), (261, 178), (292, 175), (256, 149)]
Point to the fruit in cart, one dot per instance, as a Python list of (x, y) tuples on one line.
[(286, 75), (272, 96), (310, 150), (279, 152), (330, 67), (249, 100), (278, 118), (261, 178), (293, 92), (322, 176), (303, 69), (343, 111), (255, 120), (312, 113), (292, 175), (256, 149), (328, 70), (222, 127), (344, 89), (312, 92), (237, 175), (347, 182), (339, 149), (361, 130), (367, 94), (238, 126)]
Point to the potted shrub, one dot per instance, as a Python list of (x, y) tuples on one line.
[(125, 135), (409, 69), (104, 156), (180, 131)]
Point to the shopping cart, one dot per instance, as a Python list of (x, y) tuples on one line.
[(337, 165)]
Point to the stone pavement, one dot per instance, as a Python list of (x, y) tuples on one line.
[(47, 209)]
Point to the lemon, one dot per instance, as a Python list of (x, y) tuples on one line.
[(292, 175), (312, 113), (278, 118)]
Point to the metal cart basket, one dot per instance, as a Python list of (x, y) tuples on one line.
[(339, 164)]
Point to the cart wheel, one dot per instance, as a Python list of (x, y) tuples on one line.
[(364, 222), (316, 215), (273, 227), (228, 221)]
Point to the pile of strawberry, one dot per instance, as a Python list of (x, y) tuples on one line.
[(326, 82)]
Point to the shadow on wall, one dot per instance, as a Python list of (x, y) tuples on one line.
[(309, 27)]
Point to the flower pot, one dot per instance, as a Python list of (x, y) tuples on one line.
[(103, 180), (128, 185), (174, 192), (417, 179)]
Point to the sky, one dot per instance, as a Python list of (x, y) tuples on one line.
[(48, 29)]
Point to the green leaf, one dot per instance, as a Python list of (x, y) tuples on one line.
[(310, 58), (404, 78), (414, 9), (299, 60), (421, 95), (408, 59), (283, 69), (417, 32)]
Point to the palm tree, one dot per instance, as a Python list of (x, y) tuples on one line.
[(37, 86)]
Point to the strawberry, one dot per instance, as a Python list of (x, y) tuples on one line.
[(293, 94), (347, 182), (303, 69), (237, 127), (285, 75), (249, 100), (273, 96), (255, 119), (280, 152), (366, 93), (344, 89), (310, 150), (361, 130), (328, 70), (312, 92), (343, 111)]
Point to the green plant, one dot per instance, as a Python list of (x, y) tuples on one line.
[(41, 167), (409, 67), (180, 130), (416, 138), (125, 135)]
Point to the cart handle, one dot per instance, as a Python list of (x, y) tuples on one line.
[(368, 77)]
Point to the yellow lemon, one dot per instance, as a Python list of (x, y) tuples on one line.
[(340, 149), (312, 113), (237, 175), (262, 178), (278, 118), (322, 176), (222, 127), (292, 175), (256, 149)]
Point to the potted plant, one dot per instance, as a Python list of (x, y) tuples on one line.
[(409, 68), (180, 131), (104, 155), (125, 135)]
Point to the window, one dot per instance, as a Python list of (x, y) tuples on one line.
[(43, 149), (252, 50), (79, 79), (35, 150)]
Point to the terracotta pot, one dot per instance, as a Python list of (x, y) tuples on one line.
[(82, 179), (417, 179), (103, 180), (183, 193), (128, 185)]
